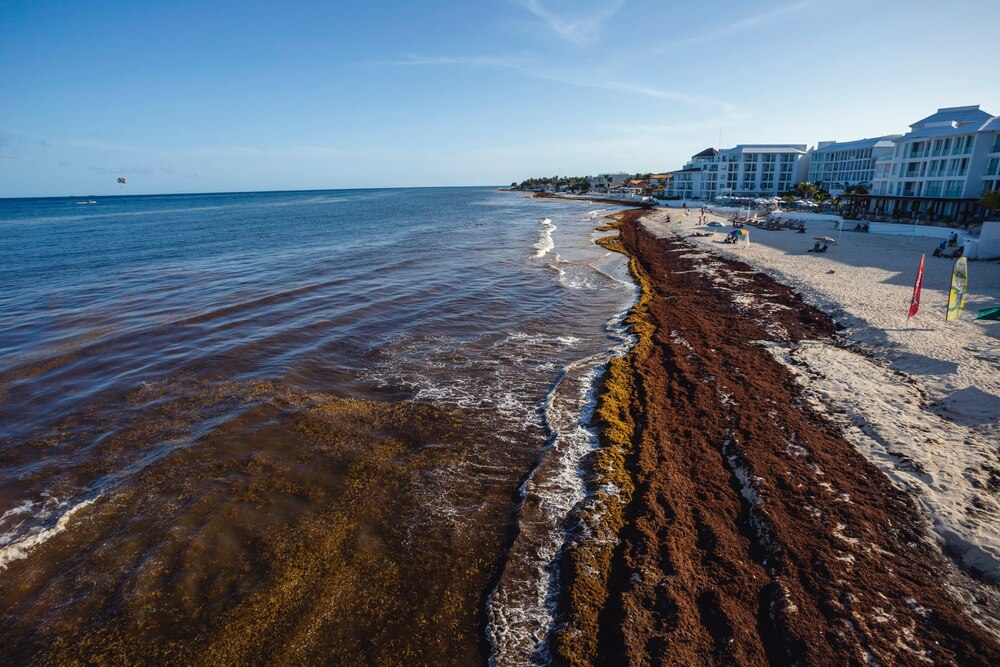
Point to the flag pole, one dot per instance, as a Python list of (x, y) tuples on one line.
[(917, 284)]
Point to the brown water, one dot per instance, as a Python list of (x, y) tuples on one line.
[(293, 427)]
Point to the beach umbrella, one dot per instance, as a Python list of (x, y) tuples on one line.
[(825, 239), (989, 314), (739, 232)]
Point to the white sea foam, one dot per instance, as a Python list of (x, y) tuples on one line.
[(522, 609), (505, 376), (545, 242), (18, 547)]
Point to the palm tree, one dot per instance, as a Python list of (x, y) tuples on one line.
[(805, 189), (990, 201)]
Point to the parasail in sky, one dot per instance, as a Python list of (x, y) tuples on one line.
[(121, 181)]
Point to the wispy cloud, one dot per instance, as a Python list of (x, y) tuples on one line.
[(745, 24), (94, 144), (712, 123), (522, 65), (580, 28), (141, 170), (507, 62), (290, 152), (6, 139)]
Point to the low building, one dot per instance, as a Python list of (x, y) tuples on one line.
[(940, 168), (603, 182), (837, 165)]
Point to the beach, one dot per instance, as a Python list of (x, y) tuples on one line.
[(551, 432), (923, 396), (799, 491)]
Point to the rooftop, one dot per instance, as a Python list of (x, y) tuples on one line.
[(960, 115), (767, 148), (837, 146)]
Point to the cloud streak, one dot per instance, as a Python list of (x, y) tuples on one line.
[(6, 139), (581, 29), (742, 25), (522, 65), (290, 152)]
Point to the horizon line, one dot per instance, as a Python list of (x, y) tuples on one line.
[(250, 192)]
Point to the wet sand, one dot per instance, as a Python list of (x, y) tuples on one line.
[(752, 531)]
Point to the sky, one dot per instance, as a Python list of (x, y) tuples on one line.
[(239, 96)]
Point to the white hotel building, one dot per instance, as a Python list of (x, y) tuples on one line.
[(747, 170), (835, 165), (941, 167)]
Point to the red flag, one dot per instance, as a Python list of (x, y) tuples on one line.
[(915, 299)]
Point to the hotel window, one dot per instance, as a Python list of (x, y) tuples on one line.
[(963, 166), (996, 144), (946, 147), (994, 167)]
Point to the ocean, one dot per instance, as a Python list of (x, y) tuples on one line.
[(301, 426)]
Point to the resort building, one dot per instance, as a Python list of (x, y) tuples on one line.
[(939, 170), (837, 165), (604, 182), (747, 170)]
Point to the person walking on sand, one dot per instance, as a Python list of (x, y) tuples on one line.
[(952, 239)]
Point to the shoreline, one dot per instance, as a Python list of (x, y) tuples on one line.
[(790, 545), (593, 200)]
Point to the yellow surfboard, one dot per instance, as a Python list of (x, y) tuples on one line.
[(959, 288)]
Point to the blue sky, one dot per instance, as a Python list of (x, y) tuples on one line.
[(222, 96)]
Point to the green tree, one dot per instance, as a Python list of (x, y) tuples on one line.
[(806, 190), (991, 202)]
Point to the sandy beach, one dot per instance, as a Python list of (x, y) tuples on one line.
[(813, 476), (922, 399)]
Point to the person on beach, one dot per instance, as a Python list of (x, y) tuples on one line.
[(939, 251), (953, 239)]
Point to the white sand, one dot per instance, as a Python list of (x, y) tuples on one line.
[(919, 398)]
